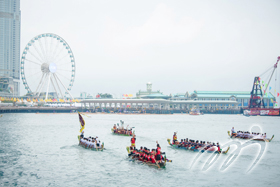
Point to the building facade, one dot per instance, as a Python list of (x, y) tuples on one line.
[(10, 18), (142, 94), (241, 97)]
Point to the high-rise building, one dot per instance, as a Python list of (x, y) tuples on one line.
[(10, 16)]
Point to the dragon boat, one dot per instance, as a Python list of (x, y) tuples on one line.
[(210, 150), (118, 133), (93, 149), (256, 139), (82, 123), (133, 159)]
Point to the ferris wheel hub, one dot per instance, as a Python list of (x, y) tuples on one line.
[(46, 68), (52, 67)]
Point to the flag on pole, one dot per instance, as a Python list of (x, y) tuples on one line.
[(82, 122)]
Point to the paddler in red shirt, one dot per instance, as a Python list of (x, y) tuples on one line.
[(219, 149), (147, 157), (133, 139), (158, 154), (153, 159)]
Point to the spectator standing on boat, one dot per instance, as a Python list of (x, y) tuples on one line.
[(133, 139), (126, 130)]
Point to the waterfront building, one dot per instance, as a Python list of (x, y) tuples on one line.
[(142, 94), (242, 98), (10, 17), (83, 95), (156, 96)]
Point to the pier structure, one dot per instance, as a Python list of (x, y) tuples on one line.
[(157, 104), (160, 104)]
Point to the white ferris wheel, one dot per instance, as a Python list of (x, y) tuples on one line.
[(48, 67)]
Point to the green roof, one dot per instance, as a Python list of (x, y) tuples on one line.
[(224, 92)]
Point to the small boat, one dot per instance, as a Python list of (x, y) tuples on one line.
[(210, 150), (120, 130), (195, 111), (256, 139), (118, 133), (93, 149)]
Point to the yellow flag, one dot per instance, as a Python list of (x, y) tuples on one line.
[(82, 122)]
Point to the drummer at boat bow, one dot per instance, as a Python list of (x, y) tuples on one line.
[(233, 131), (82, 134), (174, 137)]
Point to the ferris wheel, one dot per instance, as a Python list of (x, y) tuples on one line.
[(48, 67)]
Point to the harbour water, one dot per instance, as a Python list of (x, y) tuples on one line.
[(42, 150)]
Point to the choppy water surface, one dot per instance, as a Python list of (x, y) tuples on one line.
[(42, 150)]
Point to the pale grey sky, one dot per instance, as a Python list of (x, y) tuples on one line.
[(179, 46)]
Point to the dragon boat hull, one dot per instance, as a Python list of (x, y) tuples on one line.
[(255, 139), (93, 149), (162, 165), (210, 150)]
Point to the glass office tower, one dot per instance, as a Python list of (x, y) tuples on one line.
[(9, 47)]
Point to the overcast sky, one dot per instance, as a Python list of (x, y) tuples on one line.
[(179, 46)]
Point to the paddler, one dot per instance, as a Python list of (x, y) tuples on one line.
[(174, 138), (158, 154), (152, 158), (133, 139)]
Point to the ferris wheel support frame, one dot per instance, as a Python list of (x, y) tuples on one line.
[(47, 93), (64, 86)]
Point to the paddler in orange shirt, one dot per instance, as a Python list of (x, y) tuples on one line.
[(174, 138), (115, 127)]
